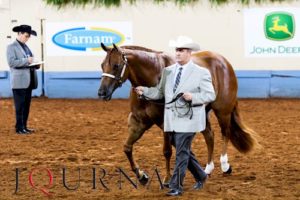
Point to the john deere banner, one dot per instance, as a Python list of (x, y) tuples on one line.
[(271, 32), (84, 38)]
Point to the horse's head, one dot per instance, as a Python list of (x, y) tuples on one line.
[(114, 71)]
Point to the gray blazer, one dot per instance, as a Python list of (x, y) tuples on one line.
[(196, 80), (19, 70)]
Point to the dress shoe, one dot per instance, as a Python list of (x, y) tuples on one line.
[(199, 184), (22, 131), (29, 130), (174, 192)]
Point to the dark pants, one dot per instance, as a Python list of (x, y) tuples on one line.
[(22, 99), (184, 159)]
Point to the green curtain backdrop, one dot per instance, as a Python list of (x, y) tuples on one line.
[(109, 3)]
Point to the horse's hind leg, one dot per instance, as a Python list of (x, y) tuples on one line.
[(225, 166), (209, 139), (224, 121), (136, 128)]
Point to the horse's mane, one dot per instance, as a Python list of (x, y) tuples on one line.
[(159, 57), (133, 47)]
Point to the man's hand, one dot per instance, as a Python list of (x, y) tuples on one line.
[(187, 96), (30, 60), (37, 66), (139, 90)]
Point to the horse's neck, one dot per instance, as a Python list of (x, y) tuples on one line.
[(145, 67)]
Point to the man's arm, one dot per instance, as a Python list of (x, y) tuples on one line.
[(156, 92), (15, 62)]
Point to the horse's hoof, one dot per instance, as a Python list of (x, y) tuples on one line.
[(228, 172), (209, 168), (143, 179), (166, 185), (166, 182)]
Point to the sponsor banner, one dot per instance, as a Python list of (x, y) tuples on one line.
[(79, 38), (272, 32)]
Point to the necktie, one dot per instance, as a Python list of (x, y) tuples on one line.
[(177, 80), (27, 51)]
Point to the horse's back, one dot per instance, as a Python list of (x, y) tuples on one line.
[(212, 61)]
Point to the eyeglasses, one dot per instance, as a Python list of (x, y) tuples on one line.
[(27, 36)]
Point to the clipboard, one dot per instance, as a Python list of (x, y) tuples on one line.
[(37, 63)]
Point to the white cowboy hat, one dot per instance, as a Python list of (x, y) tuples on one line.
[(184, 42)]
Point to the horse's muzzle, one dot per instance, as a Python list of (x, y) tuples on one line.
[(103, 94)]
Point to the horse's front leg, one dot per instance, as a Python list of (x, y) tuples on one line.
[(136, 129), (167, 150)]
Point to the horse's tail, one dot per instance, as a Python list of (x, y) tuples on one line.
[(242, 137)]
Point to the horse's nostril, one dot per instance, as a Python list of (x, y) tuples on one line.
[(101, 93)]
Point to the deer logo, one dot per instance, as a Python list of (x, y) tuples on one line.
[(276, 27), (279, 26)]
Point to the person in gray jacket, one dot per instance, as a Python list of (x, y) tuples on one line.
[(186, 116), (23, 77)]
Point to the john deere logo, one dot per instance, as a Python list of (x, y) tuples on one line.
[(279, 26)]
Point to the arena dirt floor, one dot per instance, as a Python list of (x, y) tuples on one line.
[(89, 134)]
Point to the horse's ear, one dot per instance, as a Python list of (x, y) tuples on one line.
[(104, 47), (116, 47)]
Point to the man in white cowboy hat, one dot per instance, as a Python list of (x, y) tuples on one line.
[(23, 76), (185, 117)]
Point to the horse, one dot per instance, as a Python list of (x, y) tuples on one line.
[(143, 66)]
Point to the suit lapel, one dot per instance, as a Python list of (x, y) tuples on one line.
[(188, 71), (20, 48), (170, 80)]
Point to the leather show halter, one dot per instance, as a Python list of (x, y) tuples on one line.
[(119, 78)]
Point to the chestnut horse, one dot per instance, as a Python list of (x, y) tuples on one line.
[(143, 66)]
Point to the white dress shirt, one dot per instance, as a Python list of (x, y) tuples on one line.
[(182, 71)]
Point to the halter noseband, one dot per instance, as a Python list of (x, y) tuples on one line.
[(118, 78)]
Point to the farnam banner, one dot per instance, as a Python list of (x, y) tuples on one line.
[(272, 32), (84, 38)]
